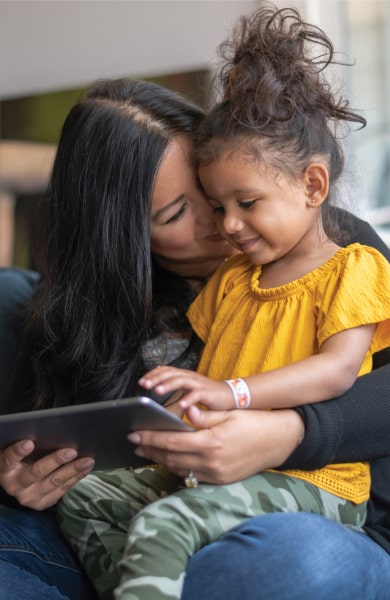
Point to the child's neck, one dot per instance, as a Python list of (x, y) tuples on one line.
[(294, 266)]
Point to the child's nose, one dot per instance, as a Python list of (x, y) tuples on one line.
[(231, 224)]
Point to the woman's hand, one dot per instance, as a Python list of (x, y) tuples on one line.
[(228, 446), (40, 484), (196, 388)]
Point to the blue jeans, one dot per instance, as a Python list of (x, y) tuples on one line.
[(276, 557), (289, 556), (35, 561)]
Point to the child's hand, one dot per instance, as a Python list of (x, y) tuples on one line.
[(215, 395)]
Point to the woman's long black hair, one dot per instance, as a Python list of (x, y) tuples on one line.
[(97, 303)]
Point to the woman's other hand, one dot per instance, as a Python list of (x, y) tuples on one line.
[(42, 483), (228, 445)]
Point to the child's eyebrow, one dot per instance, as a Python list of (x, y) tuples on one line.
[(243, 190)]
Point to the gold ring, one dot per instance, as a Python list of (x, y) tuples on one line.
[(191, 481)]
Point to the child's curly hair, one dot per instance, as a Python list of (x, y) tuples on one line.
[(276, 99)]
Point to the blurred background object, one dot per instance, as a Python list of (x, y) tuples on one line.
[(52, 50), (24, 172)]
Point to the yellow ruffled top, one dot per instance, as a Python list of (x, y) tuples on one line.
[(247, 329)]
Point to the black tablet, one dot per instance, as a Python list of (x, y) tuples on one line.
[(99, 429)]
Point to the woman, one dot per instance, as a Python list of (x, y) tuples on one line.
[(124, 182)]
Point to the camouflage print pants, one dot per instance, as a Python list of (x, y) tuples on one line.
[(134, 530)]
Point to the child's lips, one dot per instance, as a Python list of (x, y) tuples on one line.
[(246, 245)]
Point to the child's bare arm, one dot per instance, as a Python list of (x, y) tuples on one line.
[(320, 377)]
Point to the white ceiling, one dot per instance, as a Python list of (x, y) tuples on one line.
[(47, 45)]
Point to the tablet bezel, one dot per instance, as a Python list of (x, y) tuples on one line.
[(97, 429)]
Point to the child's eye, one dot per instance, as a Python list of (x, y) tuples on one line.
[(199, 185), (247, 204), (177, 215), (218, 210)]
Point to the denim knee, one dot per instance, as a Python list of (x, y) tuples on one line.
[(289, 556)]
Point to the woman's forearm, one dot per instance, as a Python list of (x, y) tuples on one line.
[(353, 427)]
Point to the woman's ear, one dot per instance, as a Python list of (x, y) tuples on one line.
[(316, 182)]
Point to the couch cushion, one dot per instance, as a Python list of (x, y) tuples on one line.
[(16, 289)]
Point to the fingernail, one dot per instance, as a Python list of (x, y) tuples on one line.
[(26, 445), (69, 454), (135, 438), (87, 464), (139, 452)]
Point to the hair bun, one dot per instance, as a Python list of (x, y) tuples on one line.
[(272, 67)]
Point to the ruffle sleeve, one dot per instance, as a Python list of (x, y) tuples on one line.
[(356, 293)]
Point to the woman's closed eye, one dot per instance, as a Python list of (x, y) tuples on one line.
[(177, 214)]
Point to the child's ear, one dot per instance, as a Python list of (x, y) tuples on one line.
[(316, 182)]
